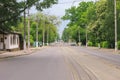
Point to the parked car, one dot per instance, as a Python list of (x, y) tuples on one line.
[(40, 44)]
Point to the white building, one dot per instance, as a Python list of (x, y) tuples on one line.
[(9, 41)]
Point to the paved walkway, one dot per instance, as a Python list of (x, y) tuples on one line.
[(19, 53), (105, 50)]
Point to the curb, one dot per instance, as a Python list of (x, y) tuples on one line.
[(105, 50), (24, 53), (7, 57)]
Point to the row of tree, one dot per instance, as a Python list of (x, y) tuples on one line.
[(96, 19), (46, 25), (11, 19)]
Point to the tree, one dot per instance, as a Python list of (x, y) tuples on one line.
[(98, 18), (78, 17), (47, 22), (11, 10), (103, 26)]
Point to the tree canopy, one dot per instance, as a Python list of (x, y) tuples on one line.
[(95, 18), (11, 10), (46, 23)]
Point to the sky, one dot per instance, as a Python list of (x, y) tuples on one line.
[(59, 10)]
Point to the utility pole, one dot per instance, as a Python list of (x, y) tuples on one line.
[(73, 3), (44, 33), (115, 14), (47, 36), (86, 37), (37, 31), (79, 36), (24, 29), (47, 30), (28, 29)]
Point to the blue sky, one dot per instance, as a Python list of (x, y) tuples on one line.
[(59, 10)]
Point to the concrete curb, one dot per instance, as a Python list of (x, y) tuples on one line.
[(8, 55), (16, 55), (104, 50)]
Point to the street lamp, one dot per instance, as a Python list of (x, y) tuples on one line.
[(115, 14)]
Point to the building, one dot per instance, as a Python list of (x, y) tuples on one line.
[(10, 40)]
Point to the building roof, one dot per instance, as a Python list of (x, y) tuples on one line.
[(9, 32)]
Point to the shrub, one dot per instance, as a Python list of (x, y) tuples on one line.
[(118, 44), (96, 44), (89, 43), (105, 44)]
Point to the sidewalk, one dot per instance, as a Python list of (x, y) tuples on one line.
[(19, 53), (104, 49)]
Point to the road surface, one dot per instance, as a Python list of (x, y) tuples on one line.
[(62, 63)]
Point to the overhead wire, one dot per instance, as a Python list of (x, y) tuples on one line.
[(70, 2)]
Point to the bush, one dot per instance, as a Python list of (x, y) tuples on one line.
[(118, 44), (105, 44), (90, 43), (96, 44)]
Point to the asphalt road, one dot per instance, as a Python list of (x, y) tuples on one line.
[(62, 63), (109, 55)]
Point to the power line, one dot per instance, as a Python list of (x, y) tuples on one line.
[(69, 2)]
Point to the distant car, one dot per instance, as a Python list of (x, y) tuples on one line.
[(73, 44), (40, 44), (37, 44)]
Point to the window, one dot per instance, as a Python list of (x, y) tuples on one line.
[(17, 40), (1, 40), (14, 39), (5, 37), (11, 40)]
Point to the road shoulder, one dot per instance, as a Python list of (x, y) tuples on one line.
[(19, 53)]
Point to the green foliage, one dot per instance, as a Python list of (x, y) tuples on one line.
[(78, 15), (31, 39), (72, 33), (102, 29), (78, 21), (96, 44), (105, 44), (48, 23), (118, 44), (97, 18), (90, 43), (10, 11)]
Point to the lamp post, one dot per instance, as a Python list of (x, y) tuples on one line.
[(115, 15)]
